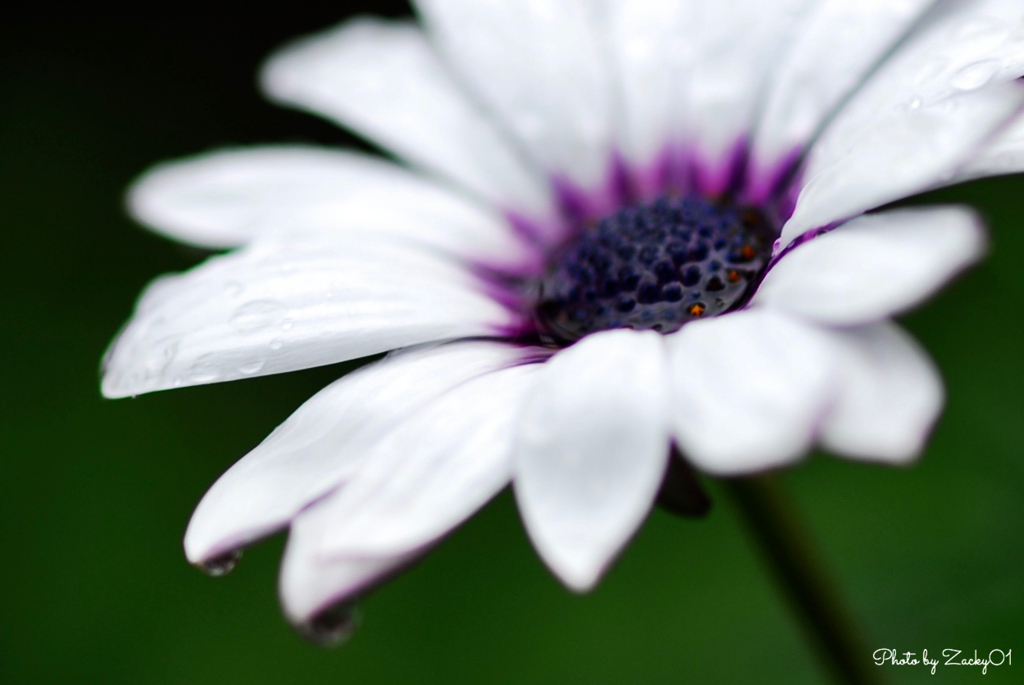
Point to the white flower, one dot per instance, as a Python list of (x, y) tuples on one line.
[(739, 143)]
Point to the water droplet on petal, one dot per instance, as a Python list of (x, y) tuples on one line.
[(976, 75), (257, 315), (332, 626), (204, 370), (233, 288), (252, 367), (222, 564), (160, 358), (276, 344), (287, 324)]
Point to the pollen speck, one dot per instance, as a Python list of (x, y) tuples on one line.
[(696, 310)]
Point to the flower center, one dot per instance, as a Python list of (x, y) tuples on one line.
[(655, 266)]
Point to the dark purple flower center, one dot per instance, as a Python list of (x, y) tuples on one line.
[(655, 267)]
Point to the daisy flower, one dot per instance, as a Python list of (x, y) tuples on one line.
[(627, 235)]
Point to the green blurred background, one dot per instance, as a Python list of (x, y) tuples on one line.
[(95, 494)]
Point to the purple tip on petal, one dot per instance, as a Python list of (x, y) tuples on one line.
[(581, 206), (774, 186), (721, 177), (659, 177)]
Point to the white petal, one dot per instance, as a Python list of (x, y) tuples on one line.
[(432, 472), (874, 266), (327, 439), (591, 450), (382, 79), (834, 49), (1004, 154), (920, 116), (284, 305), (228, 198), (309, 584), (735, 44), (646, 42), (537, 66), (750, 390), (905, 154), (961, 46), (891, 395)]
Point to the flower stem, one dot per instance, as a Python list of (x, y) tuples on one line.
[(788, 549)]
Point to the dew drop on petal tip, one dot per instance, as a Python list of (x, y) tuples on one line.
[(332, 626), (222, 564)]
